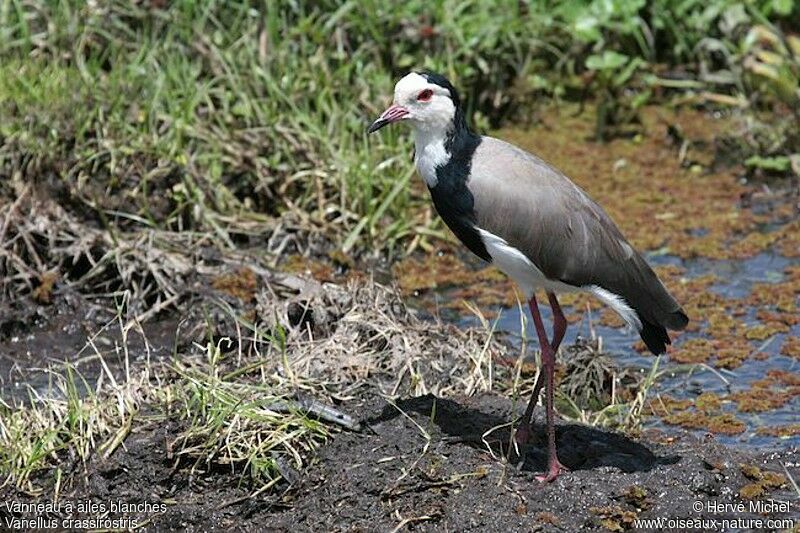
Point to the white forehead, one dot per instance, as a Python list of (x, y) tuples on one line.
[(412, 84)]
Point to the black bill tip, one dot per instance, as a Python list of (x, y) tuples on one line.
[(378, 124)]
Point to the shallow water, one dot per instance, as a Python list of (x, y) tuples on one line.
[(642, 184), (736, 279), (713, 221), (88, 338)]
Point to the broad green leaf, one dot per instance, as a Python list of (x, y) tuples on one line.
[(609, 60), (779, 163), (783, 7)]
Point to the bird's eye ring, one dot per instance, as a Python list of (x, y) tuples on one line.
[(425, 95)]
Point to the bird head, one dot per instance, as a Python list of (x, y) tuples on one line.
[(425, 99)]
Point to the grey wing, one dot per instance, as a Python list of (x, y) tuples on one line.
[(566, 234)]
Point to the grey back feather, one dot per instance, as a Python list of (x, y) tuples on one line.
[(570, 238)]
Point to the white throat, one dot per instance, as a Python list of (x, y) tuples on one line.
[(430, 152)]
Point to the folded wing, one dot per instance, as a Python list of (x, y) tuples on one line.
[(567, 235)]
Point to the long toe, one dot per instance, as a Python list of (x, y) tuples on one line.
[(553, 471)]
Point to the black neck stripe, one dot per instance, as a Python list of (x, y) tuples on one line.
[(451, 197)]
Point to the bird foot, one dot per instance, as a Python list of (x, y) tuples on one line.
[(553, 471)]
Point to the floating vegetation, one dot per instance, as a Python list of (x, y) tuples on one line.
[(241, 284), (486, 287), (615, 518), (762, 483), (707, 411), (159, 160)]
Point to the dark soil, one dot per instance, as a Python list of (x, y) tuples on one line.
[(34, 336), (430, 463), (391, 475)]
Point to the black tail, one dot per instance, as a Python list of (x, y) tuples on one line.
[(677, 320), (655, 335)]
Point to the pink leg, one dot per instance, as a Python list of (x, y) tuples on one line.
[(523, 432), (559, 328), (548, 362), (559, 321)]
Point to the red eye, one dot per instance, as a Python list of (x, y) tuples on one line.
[(425, 95)]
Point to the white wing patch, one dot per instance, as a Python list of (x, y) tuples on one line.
[(529, 278), (518, 267), (618, 304)]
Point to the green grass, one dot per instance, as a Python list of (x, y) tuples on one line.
[(207, 112), (205, 107), (244, 425), (65, 424), (247, 426), (207, 116)]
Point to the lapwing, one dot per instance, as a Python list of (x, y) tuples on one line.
[(514, 210)]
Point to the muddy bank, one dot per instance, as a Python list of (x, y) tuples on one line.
[(427, 448), (443, 467), (193, 364), (431, 464)]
